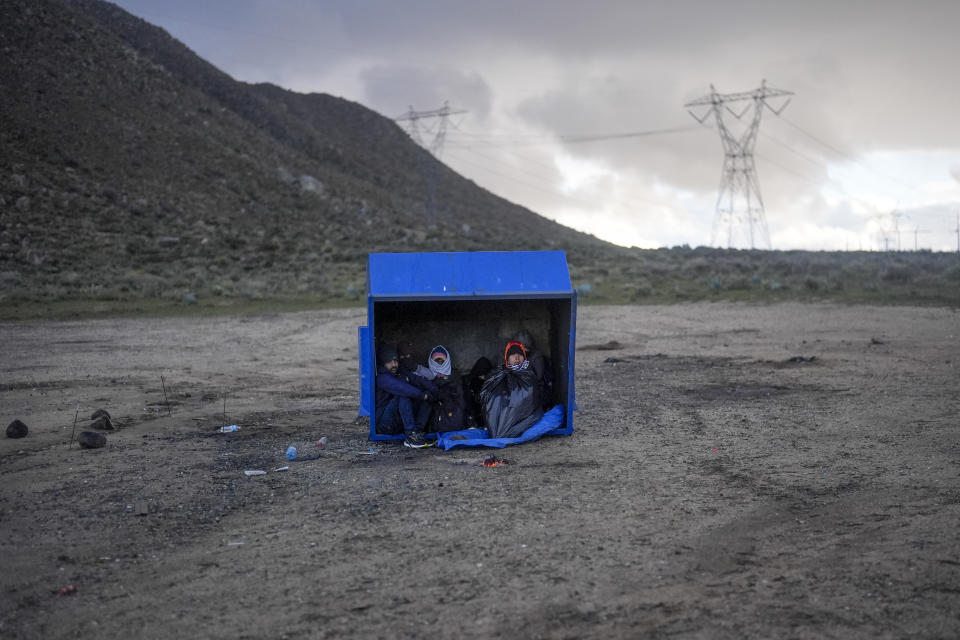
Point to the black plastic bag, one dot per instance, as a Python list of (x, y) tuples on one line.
[(511, 402)]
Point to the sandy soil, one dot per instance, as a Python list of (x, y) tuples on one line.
[(736, 471)]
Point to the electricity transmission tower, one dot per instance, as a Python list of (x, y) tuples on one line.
[(958, 232), (739, 202), (438, 129), (895, 216)]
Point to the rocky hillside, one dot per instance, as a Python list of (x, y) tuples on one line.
[(132, 171), (130, 168)]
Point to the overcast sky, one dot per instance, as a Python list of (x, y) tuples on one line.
[(576, 110)]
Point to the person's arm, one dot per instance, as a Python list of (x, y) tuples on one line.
[(425, 385), (424, 373), (397, 387)]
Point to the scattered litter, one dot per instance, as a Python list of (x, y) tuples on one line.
[(282, 469), (254, 472), (493, 461), (371, 452), (235, 544), (229, 429), (613, 360), (67, 590), (293, 453), (322, 441), (715, 449)]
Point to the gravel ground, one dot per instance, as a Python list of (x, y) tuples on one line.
[(736, 471)]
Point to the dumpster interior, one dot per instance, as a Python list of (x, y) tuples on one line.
[(474, 327)]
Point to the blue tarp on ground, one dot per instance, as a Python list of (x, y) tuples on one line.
[(481, 438)]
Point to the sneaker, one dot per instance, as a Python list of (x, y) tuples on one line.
[(415, 440)]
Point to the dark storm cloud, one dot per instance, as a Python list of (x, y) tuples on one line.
[(867, 73), (388, 85), (869, 76)]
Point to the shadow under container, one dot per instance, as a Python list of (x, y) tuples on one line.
[(472, 303)]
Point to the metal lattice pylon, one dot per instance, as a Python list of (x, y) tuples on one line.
[(739, 203), (439, 130)]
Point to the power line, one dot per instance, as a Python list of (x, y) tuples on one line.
[(538, 187), (847, 155), (771, 161), (516, 140), (513, 168)]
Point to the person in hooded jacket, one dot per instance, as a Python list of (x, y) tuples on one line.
[(511, 395), (449, 412), (404, 400), (540, 365), (438, 364)]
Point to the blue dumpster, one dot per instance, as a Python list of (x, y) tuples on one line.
[(472, 303)]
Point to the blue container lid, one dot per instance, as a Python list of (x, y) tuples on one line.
[(488, 274)]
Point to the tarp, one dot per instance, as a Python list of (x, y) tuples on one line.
[(481, 438)]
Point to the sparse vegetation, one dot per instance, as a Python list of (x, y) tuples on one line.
[(134, 176), (684, 274)]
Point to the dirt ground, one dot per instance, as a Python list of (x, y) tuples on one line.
[(735, 471)]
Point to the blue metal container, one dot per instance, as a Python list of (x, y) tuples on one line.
[(472, 303)]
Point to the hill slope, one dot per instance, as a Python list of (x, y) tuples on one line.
[(131, 167)]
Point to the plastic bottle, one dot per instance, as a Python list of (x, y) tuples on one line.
[(229, 429), (305, 450)]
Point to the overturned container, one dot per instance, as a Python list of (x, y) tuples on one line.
[(473, 303)]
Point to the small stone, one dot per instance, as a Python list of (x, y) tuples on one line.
[(103, 423), (16, 429), (311, 184), (92, 440), (100, 412)]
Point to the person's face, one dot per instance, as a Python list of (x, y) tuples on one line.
[(392, 365), (515, 358)]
